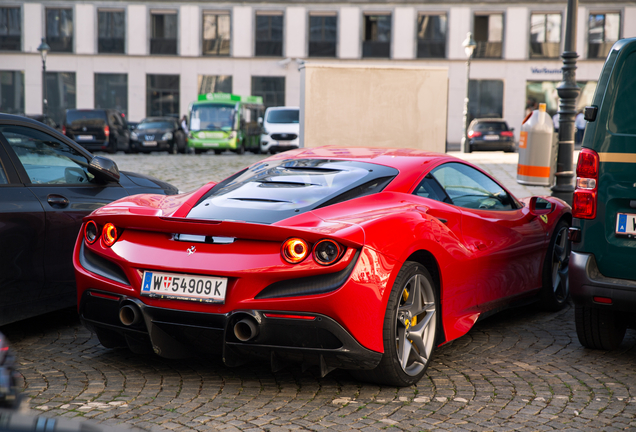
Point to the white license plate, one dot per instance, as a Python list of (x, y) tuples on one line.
[(149, 143), (205, 289), (625, 223), (85, 137), (210, 144), (491, 137)]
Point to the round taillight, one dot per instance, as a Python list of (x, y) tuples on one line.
[(90, 232), (109, 234), (327, 252), (295, 250)]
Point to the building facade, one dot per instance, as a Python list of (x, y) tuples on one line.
[(151, 58)]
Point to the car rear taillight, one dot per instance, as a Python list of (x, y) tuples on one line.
[(327, 252), (295, 250), (107, 131), (473, 134), (91, 233), (109, 234), (506, 133), (63, 129), (586, 192)]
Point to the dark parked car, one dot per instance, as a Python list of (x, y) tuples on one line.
[(158, 134), (48, 184), (44, 119), (97, 129), (490, 134), (602, 271)]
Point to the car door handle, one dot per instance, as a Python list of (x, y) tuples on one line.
[(57, 201), (442, 220)]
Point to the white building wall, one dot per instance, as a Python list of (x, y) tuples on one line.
[(33, 14), (349, 43), (404, 23), (190, 31), (516, 39), (242, 31), (581, 31), (137, 30), (85, 33), (295, 32), (459, 23), (629, 31)]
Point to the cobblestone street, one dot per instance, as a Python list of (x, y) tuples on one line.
[(521, 369)]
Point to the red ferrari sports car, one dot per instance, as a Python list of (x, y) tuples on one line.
[(362, 259)]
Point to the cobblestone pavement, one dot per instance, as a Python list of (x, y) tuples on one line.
[(521, 369)]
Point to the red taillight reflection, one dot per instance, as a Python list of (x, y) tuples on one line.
[(473, 134), (63, 130), (585, 195), (107, 131), (506, 133)]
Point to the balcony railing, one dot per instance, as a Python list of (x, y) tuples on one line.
[(375, 49), (431, 49), (487, 50), (163, 46)]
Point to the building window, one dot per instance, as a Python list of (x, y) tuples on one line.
[(215, 84), (603, 31), (111, 31), (377, 36), (269, 34), (488, 32), (216, 33), (10, 29), (59, 29), (271, 89), (162, 95), (545, 35), (322, 34), (60, 94), (111, 91), (485, 99), (431, 36), (163, 36), (12, 92)]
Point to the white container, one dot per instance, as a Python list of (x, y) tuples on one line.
[(537, 152)]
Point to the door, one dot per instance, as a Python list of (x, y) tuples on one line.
[(57, 175), (506, 243), (22, 227)]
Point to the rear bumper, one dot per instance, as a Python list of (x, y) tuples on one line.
[(587, 282), (318, 340)]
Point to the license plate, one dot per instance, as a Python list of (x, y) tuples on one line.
[(491, 137), (85, 137), (149, 143), (210, 144), (174, 286), (625, 223)]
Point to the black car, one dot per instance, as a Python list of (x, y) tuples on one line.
[(158, 134), (97, 129), (48, 184), (44, 119), (490, 134)]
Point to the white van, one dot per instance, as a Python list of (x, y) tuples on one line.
[(280, 129)]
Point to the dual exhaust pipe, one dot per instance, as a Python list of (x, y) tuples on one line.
[(245, 329)]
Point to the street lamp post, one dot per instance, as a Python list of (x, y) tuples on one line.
[(44, 49), (469, 46), (568, 93)]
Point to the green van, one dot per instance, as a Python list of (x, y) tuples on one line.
[(224, 121), (602, 264)]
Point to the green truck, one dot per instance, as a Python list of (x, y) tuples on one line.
[(601, 268), (224, 121)]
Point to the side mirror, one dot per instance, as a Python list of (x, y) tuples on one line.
[(104, 169), (260, 121), (540, 206)]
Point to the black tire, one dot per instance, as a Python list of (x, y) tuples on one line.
[(412, 280), (218, 151), (172, 149), (198, 151), (112, 147), (598, 328), (556, 288), (240, 149)]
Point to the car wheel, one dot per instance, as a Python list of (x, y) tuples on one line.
[(198, 151), (240, 149), (410, 329), (173, 148), (556, 288), (112, 147), (598, 328)]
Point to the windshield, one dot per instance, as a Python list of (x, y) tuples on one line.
[(283, 116), (212, 117), (155, 125)]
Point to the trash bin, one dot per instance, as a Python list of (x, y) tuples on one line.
[(537, 150)]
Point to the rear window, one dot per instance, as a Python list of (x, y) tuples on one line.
[(156, 125), (490, 126), (283, 116), (86, 117), (275, 190)]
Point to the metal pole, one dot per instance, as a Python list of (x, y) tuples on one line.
[(45, 102), (465, 144), (568, 93)]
